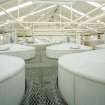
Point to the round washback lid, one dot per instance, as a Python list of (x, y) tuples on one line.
[(10, 66)]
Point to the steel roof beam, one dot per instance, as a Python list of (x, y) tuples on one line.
[(80, 25), (93, 10), (89, 18), (12, 17), (39, 11)]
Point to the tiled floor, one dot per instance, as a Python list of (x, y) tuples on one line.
[(41, 74)]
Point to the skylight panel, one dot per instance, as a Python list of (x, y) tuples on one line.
[(16, 7), (95, 4)]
